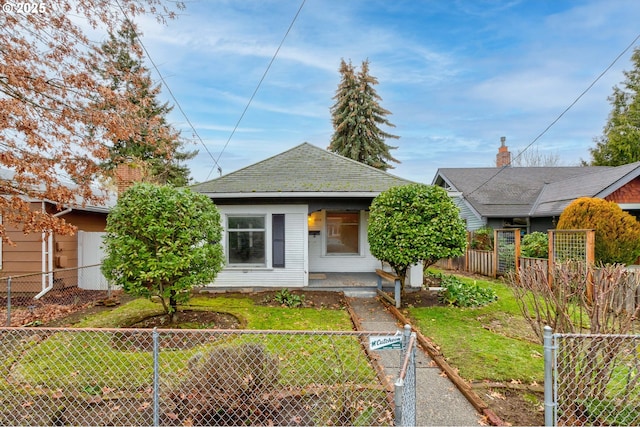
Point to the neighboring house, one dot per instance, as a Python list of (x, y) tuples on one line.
[(44, 252), (301, 212), (532, 198)]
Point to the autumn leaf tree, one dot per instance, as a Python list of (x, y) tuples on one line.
[(619, 143), (120, 63), (357, 117), (54, 129)]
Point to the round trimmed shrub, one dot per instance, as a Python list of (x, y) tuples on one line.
[(617, 233)]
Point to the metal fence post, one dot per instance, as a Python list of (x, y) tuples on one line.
[(406, 335), (549, 404), (398, 390), (156, 376), (414, 377), (9, 301)]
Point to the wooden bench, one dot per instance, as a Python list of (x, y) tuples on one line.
[(390, 277)]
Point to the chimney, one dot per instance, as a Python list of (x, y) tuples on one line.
[(503, 158), (126, 175)]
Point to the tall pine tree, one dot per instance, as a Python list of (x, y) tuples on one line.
[(357, 116), (620, 142), (120, 63)]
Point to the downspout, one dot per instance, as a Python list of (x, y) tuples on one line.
[(47, 257), (43, 257)]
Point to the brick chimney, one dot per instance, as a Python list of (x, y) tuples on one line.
[(503, 158), (126, 175)]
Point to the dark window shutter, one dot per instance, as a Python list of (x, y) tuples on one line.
[(277, 228)]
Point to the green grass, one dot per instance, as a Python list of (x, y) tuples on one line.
[(492, 342), (88, 359), (253, 316)]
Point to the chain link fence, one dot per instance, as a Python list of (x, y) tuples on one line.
[(53, 376), (405, 385), (29, 299), (592, 379)]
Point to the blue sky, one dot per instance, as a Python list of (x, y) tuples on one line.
[(456, 75)]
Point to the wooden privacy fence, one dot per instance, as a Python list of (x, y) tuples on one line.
[(480, 262), (504, 256)]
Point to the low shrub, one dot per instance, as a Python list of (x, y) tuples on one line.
[(482, 239), (459, 294), (286, 298), (535, 245)]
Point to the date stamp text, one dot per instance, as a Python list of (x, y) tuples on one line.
[(24, 8)]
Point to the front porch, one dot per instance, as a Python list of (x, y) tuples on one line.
[(352, 284)]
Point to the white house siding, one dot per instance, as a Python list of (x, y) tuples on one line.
[(319, 261), (294, 274), (472, 220)]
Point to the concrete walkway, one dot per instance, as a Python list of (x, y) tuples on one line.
[(439, 402)]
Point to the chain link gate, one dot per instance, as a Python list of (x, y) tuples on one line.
[(65, 376), (592, 379)]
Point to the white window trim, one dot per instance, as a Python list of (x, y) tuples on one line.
[(267, 239)]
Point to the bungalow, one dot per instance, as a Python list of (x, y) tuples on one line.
[(298, 215), (532, 198)]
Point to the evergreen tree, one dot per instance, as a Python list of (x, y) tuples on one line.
[(121, 65), (356, 117), (620, 142)]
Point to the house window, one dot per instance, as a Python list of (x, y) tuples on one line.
[(343, 232), (246, 240)]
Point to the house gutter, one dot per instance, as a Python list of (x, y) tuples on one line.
[(47, 257), (291, 194)]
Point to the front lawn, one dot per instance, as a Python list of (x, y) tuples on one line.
[(245, 308), (291, 366), (492, 342)]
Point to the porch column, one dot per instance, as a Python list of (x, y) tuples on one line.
[(414, 276)]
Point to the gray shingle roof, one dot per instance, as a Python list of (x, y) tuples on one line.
[(303, 169), (601, 182), (532, 191)]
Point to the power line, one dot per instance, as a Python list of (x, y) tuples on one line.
[(559, 116), (258, 86)]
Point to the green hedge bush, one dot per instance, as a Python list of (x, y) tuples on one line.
[(535, 245)]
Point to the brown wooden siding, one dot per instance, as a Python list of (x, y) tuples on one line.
[(629, 193), (26, 256)]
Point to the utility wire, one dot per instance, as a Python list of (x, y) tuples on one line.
[(560, 116), (258, 86)]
